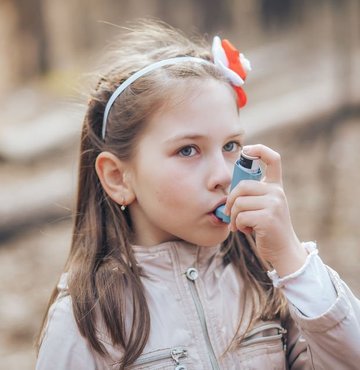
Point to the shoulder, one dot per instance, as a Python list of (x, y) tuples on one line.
[(61, 321), (61, 316), (62, 345)]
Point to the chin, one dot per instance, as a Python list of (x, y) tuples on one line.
[(210, 240)]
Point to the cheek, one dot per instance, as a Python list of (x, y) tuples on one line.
[(171, 190), (165, 184), (174, 186)]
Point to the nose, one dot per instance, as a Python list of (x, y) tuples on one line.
[(220, 173)]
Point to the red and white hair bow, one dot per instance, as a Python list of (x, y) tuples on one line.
[(233, 65)]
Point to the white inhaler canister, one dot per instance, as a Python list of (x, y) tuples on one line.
[(245, 168)]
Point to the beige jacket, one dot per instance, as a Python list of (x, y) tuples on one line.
[(193, 301)]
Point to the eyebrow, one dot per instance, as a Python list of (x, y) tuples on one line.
[(199, 136)]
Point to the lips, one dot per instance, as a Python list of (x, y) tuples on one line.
[(220, 203)]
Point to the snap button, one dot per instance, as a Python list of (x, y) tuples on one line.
[(180, 367), (192, 273)]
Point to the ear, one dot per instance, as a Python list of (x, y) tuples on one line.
[(113, 175)]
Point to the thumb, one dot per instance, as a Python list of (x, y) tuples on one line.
[(272, 160)]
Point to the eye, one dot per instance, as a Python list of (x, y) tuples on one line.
[(187, 151), (232, 146)]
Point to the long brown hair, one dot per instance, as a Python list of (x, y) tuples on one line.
[(101, 264)]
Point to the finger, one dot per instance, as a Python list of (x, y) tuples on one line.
[(246, 221), (245, 188), (271, 158), (246, 204)]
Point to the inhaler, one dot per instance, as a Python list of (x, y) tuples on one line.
[(245, 168)]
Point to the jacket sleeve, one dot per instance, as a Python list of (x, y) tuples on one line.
[(331, 340), (62, 345)]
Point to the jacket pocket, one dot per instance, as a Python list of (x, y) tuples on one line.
[(264, 347), (163, 359), (265, 333)]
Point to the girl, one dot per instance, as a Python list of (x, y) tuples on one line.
[(154, 279)]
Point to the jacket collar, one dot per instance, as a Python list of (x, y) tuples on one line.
[(178, 255)]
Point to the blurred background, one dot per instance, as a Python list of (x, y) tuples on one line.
[(304, 101)]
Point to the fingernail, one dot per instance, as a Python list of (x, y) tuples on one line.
[(245, 149)]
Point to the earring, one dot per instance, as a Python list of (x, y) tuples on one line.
[(123, 206)]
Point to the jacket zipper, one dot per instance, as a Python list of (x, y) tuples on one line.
[(249, 340), (192, 274), (175, 354)]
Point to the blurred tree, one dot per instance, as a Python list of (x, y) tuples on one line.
[(31, 34), (345, 36), (280, 13), (215, 14), (210, 14)]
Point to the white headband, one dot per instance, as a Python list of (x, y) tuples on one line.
[(141, 73)]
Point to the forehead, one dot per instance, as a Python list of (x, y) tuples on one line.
[(206, 107)]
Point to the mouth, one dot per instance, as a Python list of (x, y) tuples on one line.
[(218, 204), (221, 203)]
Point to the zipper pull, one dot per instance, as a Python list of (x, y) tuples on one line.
[(283, 332), (176, 355)]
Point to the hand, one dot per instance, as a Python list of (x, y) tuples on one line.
[(261, 206)]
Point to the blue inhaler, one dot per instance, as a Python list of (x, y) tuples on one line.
[(245, 168)]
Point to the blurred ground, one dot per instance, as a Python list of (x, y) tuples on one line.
[(29, 267)]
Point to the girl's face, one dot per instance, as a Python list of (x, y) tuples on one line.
[(183, 166)]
